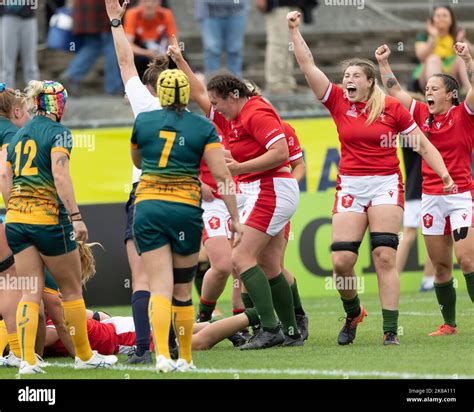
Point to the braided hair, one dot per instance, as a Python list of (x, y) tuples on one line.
[(9, 99), (223, 84), (451, 85)]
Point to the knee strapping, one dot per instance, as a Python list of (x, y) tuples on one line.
[(346, 247), (386, 239)]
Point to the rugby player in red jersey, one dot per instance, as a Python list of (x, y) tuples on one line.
[(369, 186), (446, 218), (260, 158), (216, 234), (116, 335)]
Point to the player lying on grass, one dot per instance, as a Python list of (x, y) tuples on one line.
[(446, 217), (112, 335)]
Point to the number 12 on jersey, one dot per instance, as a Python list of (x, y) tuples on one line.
[(29, 149), (165, 154)]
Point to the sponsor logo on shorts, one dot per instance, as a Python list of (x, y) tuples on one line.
[(214, 223), (464, 215), (390, 192), (229, 223), (428, 220), (347, 201)]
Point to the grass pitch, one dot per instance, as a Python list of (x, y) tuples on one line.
[(418, 356)]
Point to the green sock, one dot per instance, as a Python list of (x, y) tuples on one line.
[(283, 304), (205, 309), (246, 300), (446, 295), (259, 291), (470, 284), (352, 306), (201, 271), (252, 314), (296, 299), (390, 320)]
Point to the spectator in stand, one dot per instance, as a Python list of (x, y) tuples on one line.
[(434, 49), (19, 37), (52, 6), (148, 27), (279, 61), (164, 3), (223, 29), (92, 26)]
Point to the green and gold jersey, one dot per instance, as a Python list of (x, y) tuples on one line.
[(7, 131), (171, 146), (34, 199)]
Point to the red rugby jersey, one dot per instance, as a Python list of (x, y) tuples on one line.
[(294, 147), (250, 135), (367, 150), (205, 174), (102, 337), (452, 133)]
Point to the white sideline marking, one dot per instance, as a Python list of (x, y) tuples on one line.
[(308, 372), (403, 313)]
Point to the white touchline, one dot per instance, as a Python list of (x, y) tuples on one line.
[(402, 313), (307, 372)]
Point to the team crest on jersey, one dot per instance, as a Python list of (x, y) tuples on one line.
[(214, 223), (428, 220), (352, 112), (438, 125), (347, 201)]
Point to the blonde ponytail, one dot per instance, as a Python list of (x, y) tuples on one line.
[(47, 97), (87, 260), (376, 104), (33, 90)]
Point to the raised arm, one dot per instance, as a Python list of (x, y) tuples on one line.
[(420, 144), (389, 80), (198, 89), (423, 49), (462, 50), (123, 49), (316, 79)]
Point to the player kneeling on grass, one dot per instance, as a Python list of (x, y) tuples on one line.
[(42, 222), (168, 218)]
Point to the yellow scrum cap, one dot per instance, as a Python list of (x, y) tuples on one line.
[(173, 88)]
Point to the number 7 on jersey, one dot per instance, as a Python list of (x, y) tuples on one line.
[(165, 154)]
